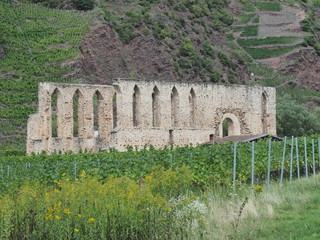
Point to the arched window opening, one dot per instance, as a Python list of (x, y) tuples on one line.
[(156, 107), (55, 123), (264, 113), (114, 111), (77, 114), (136, 106), (192, 107), (174, 107), (97, 113)]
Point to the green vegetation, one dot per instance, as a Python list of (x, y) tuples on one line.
[(159, 194), (161, 205), (245, 18), (256, 19), (118, 208), (84, 4), (249, 8), (265, 41), (36, 41), (250, 31), (295, 120), (288, 212), (209, 165), (78, 4), (262, 53), (269, 6)]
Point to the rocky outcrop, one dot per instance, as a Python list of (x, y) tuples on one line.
[(105, 57)]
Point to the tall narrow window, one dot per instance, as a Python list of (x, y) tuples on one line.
[(114, 110), (97, 113), (136, 106), (264, 112), (156, 107), (55, 123), (174, 107), (77, 114), (192, 107)]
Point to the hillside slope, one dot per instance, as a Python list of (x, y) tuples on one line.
[(190, 40)]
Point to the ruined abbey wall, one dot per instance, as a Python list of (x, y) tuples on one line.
[(136, 113)]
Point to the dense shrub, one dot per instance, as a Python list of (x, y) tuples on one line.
[(187, 48), (125, 32), (84, 4), (295, 120)]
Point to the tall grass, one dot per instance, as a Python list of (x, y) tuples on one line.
[(155, 207)]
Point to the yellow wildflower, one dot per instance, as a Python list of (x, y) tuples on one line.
[(58, 204), (57, 217), (50, 209), (148, 178), (55, 190), (257, 188), (79, 215), (76, 230), (91, 220), (67, 211), (82, 174), (48, 217)]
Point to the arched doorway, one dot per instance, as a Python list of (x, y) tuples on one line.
[(229, 125)]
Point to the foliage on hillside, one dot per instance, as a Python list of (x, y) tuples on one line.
[(192, 30), (38, 44), (36, 41)]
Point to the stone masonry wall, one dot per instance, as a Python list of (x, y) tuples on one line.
[(136, 113)]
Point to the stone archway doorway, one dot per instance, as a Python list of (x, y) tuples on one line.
[(229, 125)]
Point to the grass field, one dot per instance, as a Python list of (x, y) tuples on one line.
[(291, 212)]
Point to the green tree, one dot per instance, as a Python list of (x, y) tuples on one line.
[(295, 120)]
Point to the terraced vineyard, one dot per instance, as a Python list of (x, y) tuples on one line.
[(268, 30), (35, 41)]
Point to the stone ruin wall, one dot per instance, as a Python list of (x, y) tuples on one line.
[(139, 113)]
